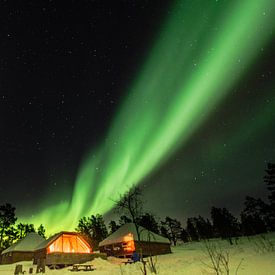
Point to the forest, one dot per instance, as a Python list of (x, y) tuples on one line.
[(257, 217)]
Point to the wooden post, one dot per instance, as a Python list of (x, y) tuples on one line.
[(18, 269), (40, 266)]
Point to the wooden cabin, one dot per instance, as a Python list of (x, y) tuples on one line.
[(124, 242), (23, 250), (65, 248)]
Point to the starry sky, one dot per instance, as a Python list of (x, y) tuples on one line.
[(98, 96)]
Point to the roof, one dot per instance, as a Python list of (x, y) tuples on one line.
[(50, 240), (129, 228), (27, 244), (45, 243)]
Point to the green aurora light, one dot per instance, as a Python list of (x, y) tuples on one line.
[(201, 52)]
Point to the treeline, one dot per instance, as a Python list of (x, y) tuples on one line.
[(257, 217), (10, 231)]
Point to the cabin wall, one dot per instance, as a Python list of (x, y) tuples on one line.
[(152, 248), (116, 249), (40, 254), (13, 257), (148, 248), (67, 258), (71, 258)]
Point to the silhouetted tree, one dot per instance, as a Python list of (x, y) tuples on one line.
[(255, 216), (113, 226), (24, 229), (7, 219), (191, 229), (224, 223), (41, 231), (173, 229), (149, 222), (130, 204), (252, 225), (124, 219), (11, 235), (98, 229), (184, 236), (269, 178), (164, 231), (204, 228), (84, 227), (93, 229)]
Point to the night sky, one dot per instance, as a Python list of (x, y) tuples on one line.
[(98, 96)]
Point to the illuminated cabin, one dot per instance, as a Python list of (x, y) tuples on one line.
[(23, 250), (65, 248), (124, 242)]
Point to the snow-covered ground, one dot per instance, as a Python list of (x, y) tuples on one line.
[(250, 256)]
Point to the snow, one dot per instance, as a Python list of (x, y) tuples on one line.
[(29, 243), (190, 258), (129, 229)]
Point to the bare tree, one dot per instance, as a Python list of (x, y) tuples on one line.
[(130, 204), (219, 258)]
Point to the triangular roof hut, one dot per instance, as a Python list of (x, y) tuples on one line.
[(65, 242), (64, 248), (124, 242), (23, 250)]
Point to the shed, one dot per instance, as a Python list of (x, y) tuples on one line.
[(23, 250), (64, 248), (124, 241)]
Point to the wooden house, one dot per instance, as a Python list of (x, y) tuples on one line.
[(65, 248), (124, 242), (23, 250)]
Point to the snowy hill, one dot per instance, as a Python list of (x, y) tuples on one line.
[(253, 256)]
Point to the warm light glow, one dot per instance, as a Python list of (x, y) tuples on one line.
[(128, 237), (69, 244), (129, 243)]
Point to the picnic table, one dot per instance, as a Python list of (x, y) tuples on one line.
[(83, 267)]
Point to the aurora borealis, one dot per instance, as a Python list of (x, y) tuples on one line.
[(200, 55)]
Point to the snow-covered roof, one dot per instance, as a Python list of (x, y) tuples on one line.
[(129, 230), (27, 244)]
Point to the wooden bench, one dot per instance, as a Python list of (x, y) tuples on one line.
[(82, 267)]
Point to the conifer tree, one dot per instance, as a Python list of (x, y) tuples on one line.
[(41, 231), (113, 226), (173, 229), (7, 219), (149, 222), (93, 229), (224, 223), (269, 179), (204, 228), (184, 236), (255, 218), (191, 229)]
